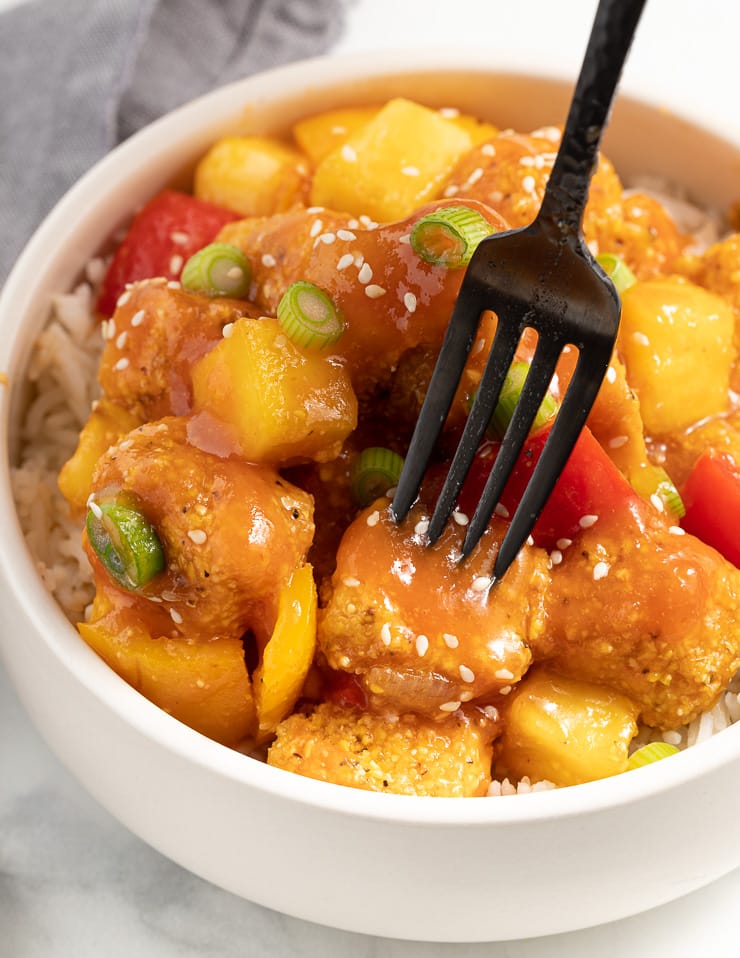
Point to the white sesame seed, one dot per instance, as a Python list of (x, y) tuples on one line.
[(466, 674), (585, 522), (451, 190), (491, 712), (564, 543), (611, 375), (268, 260), (466, 695), (121, 364), (176, 262), (421, 527), (359, 260), (366, 273), (422, 645), (315, 209), (111, 329), (373, 518), (501, 510), (316, 228), (556, 557), (121, 341), (126, 444), (657, 502), (373, 291), (530, 541), (345, 261), (526, 161), (327, 238), (601, 570), (671, 738), (504, 690), (616, 442), (385, 633), (528, 184), (450, 640), (344, 661), (449, 112), (227, 330), (123, 299), (641, 338), (410, 171), (353, 224), (475, 176), (677, 531), (460, 518), (504, 675), (481, 583), (449, 707), (179, 238), (348, 154), (175, 616), (346, 235), (409, 301), (488, 149), (197, 536), (173, 284), (350, 582), (138, 318)]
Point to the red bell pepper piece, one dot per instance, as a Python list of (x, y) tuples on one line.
[(162, 236), (711, 496), (344, 689), (589, 485)]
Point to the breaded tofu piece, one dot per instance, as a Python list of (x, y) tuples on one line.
[(650, 613), (404, 755), (418, 628), (231, 531), (152, 341)]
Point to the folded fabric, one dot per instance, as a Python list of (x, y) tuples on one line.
[(80, 75)]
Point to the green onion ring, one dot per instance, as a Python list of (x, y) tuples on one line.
[(373, 473), (448, 236), (617, 270), (218, 269), (308, 316), (125, 542)]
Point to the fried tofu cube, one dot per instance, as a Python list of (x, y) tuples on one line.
[(252, 175), (405, 755), (284, 404), (392, 165), (676, 342), (565, 731)]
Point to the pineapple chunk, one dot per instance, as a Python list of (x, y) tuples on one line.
[(392, 165), (251, 175), (279, 678), (320, 134), (107, 423), (205, 685), (565, 731), (676, 342), (284, 404)]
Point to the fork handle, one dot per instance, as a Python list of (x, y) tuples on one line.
[(567, 188)]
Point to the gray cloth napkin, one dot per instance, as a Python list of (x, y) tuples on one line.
[(80, 75)]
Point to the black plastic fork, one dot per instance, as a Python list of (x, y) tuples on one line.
[(541, 277)]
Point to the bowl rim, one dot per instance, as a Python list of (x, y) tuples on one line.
[(152, 723)]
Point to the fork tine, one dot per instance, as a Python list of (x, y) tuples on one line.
[(569, 421), (502, 352), (535, 386), (458, 341)]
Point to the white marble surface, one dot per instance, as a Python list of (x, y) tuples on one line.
[(73, 882)]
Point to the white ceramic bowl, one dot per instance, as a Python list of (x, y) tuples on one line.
[(434, 869)]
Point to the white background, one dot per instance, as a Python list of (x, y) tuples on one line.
[(75, 883)]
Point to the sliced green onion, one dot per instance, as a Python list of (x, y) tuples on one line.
[(648, 754), (308, 316), (374, 472), (617, 270), (448, 237), (125, 542), (218, 269), (654, 481), (509, 397)]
